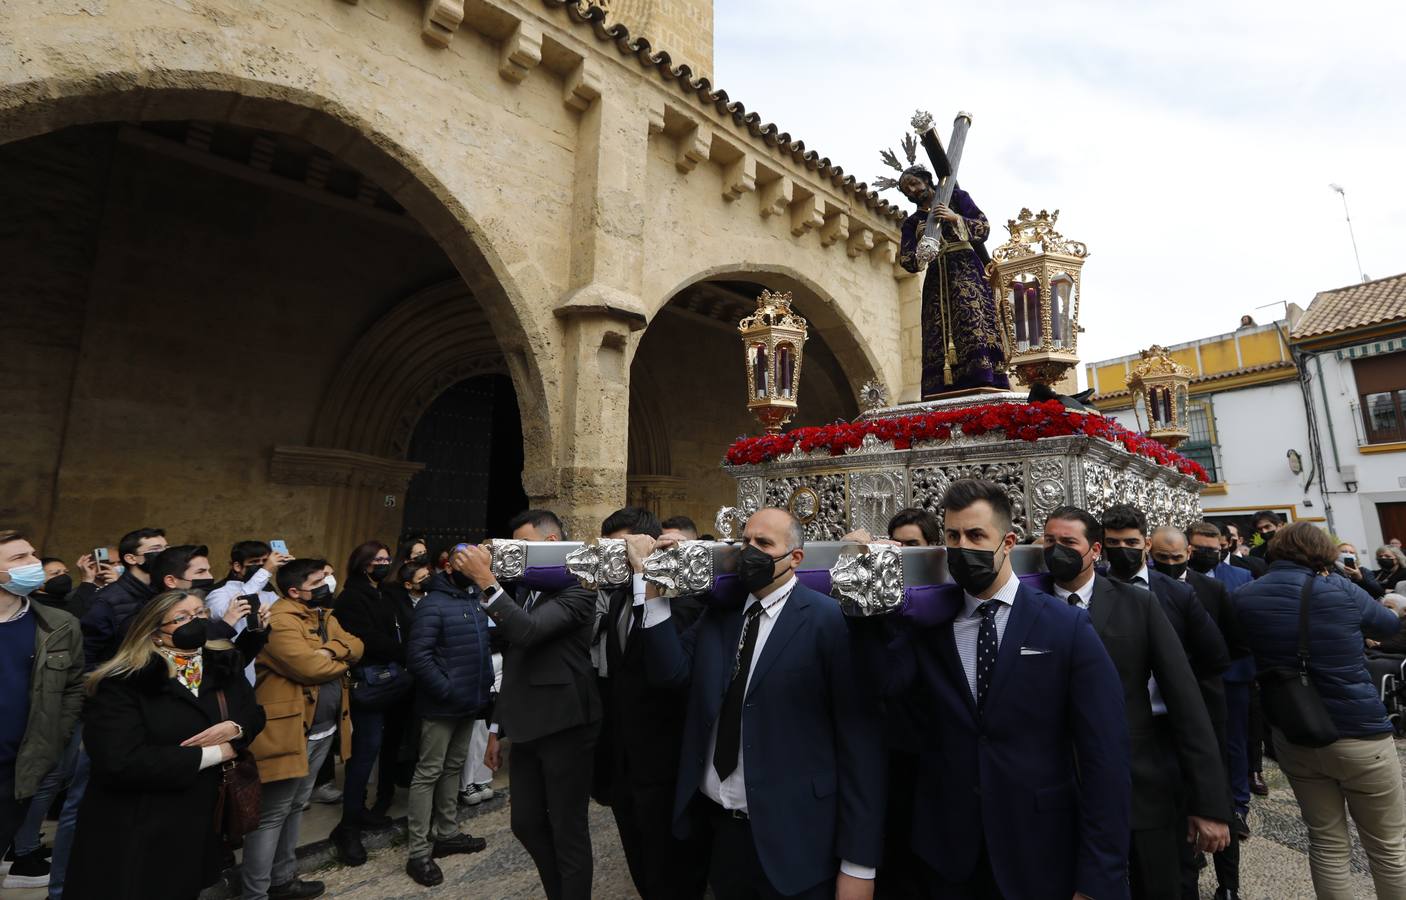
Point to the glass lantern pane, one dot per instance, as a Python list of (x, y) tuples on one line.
[(1060, 290), (1028, 327), (759, 371), (785, 369)]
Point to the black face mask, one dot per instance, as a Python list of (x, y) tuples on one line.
[(192, 635), (148, 559), (419, 559), (756, 569), (973, 570), (319, 596), (1065, 563), (59, 585), (1203, 559), (1387, 564), (380, 570), (461, 581), (1171, 570), (1124, 562), (201, 584)]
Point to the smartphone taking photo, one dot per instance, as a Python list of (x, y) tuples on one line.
[(251, 620), (278, 547)]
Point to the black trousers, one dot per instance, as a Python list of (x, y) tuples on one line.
[(980, 885), (1259, 731), (662, 866), (901, 874), (12, 811), (551, 795), (735, 872), (1155, 863)]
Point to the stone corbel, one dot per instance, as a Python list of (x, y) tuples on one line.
[(776, 196), (441, 20), (694, 145), (582, 86), (739, 177), (861, 241), (329, 467), (807, 213), (885, 250), (836, 228), (521, 51), (600, 299)]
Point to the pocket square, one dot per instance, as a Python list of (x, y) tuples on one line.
[(1033, 651)]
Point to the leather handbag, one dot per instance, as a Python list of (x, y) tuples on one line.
[(1288, 696), (237, 804), (380, 686)]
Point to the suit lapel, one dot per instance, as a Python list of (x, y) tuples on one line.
[(1024, 613), (946, 640), (1104, 596), (787, 623)]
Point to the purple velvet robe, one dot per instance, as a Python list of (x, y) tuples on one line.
[(979, 358)]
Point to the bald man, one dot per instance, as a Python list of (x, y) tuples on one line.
[(781, 766)]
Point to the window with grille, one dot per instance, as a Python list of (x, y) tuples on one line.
[(1201, 445), (1381, 390)]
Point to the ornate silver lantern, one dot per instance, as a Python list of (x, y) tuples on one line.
[(1036, 282), (1159, 385), (772, 340)]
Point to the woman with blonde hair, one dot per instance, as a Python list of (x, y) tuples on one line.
[(161, 717)]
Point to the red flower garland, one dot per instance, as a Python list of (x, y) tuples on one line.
[(1019, 421)]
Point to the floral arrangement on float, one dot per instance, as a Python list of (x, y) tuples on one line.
[(1017, 421)]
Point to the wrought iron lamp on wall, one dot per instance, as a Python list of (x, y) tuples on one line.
[(772, 340), (1159, 385), (1036, 282)]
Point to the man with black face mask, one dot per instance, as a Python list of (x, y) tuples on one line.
[(1021, 703), (1143, 645), (781, 763), (302, 684), (115, 604), (186, 567)]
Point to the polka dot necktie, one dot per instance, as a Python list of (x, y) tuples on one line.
[(985, 649)]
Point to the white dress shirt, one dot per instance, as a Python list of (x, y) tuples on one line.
[(968, 625), (731, 792), (1084, 595), (218, 601)]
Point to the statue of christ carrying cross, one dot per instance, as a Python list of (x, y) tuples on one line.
[(945, 239)]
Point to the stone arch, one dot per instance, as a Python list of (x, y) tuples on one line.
[(424, 345), (822, 308), (146, 92)]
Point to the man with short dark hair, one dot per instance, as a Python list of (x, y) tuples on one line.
[(245, 558), (683, 525), (104, 622), (37, 716), (1143, 646), (1022, 704), (302, 685), (1266, 523), (780, 760), (914, 527), (548, 706), (1205, 543), (1235, 553)]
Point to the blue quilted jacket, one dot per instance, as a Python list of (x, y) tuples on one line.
[(448, 653), (1340, 615)]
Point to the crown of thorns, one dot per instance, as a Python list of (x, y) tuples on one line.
[(910, 150)]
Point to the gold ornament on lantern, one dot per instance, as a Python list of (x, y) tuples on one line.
[(1036, 281), (772, 340), (1159, 384)]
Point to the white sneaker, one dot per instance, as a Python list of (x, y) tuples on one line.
[(328, 793), (485, 791)]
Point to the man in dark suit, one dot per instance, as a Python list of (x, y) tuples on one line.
[(548, 707), (638, 756), (1143, 645), (781, 762), (1024, 785), (1231, 545), (1172, 555)]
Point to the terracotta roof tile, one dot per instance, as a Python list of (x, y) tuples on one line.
[(770, 134), (1354, 306)]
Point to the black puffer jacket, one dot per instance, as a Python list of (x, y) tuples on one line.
[(362, 610), (105, 622)]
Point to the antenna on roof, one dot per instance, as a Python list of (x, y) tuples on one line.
[(1342, 193)]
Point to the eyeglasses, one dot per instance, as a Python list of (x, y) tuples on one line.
[(181, 619)]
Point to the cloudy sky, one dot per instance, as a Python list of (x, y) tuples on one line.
[(1189, 144)]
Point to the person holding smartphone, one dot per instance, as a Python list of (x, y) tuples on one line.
[(1350, 567)]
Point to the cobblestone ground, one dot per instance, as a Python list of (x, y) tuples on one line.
[(1274, 862)]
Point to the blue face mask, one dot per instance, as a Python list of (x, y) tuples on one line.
[(24, 580)]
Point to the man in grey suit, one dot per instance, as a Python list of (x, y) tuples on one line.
[(1143, 646), (549, 707)]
